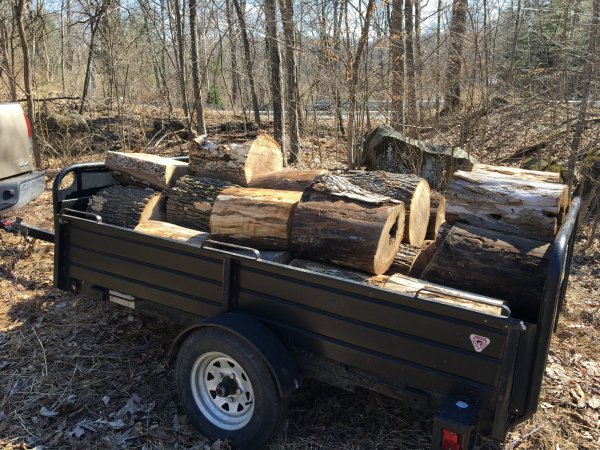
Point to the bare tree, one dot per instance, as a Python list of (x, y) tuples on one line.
[(231, 33), (397, 57), (411, 118), (453, 69), (248, 59), (20, 7), (196, 70), (287, 18), (276, 82)]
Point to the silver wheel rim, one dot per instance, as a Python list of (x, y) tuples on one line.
[(222, 390)]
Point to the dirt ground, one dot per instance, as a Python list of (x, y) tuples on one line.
[(79, 372)]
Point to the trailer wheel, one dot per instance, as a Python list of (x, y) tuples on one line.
[(227, 390)]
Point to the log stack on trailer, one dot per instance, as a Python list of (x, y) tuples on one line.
[(488, 234)]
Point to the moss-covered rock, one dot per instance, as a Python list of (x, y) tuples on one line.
[(67, 121)]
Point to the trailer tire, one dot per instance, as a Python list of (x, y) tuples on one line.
[(227, 390)]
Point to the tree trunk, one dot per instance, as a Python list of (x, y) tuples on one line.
[(145, 169), (524, 174), (287, 179), (397, 62), (457, 32), (404, 259), (276, 82), (411, 118), (418, 65), (248, 59), (170, 231), (521, 207), (126, 206), (437, 215), (180, 54), (196, 70), (235, 77), (341, 223), (191, 200), (413, 191), (292, 101), (20, 16), (238, 163), (487, 262), (257, 218)]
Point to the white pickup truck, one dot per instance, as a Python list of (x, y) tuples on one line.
[(19, 182)]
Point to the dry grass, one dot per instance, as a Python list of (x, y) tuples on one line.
[(78, 372)]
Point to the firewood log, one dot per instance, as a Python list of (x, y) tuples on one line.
[(191, 200), (411, 287), (522, 207), (413, 191), (523, 174), (488, 262), (339, 222), (236, 162), (257, 218), (405, 259), (126, 206), (437, 214), (287, 179), (424, 257), (170, 231), (144, 169)]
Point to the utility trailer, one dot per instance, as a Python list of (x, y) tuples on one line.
[(252, 329)]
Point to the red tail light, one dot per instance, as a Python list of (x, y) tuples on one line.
[(451, 440), (28, 125)]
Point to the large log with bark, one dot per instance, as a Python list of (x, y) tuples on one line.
[(191, 200), (437, 215), (236, 162), (339, 222), (405, 259), (126, 206), (488, 262), (171, 231), (287, 179), (413, 191), (522, 207), (143, 169), (524, 174), (410, 287), (257, 218)]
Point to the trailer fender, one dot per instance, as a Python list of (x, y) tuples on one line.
[(277, 358)]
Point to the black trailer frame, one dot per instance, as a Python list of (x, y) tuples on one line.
[(415, 350)]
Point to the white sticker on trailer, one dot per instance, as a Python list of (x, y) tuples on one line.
[(479, 342)]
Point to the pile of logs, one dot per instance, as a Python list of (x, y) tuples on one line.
[(488, 234)]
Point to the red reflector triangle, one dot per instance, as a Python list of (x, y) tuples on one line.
[(479, 342)]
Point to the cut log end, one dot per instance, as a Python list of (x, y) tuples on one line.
[(391, 236), (418, 215)]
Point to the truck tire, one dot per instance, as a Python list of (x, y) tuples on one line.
[(227, 390)]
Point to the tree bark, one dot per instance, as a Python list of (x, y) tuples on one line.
[(20, 16), (276, 82), (180, 54), (200, 123), (191, 200), (487, 262), (127, 206), (413, 191), (248, 60), (257, 218), (521, 207), (145, 169), (397, 62), (238, 163), (453, 69), (292, 100), (235, 77), (411, 118)]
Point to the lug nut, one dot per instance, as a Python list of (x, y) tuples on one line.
[(232, 376), (238, 391)]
